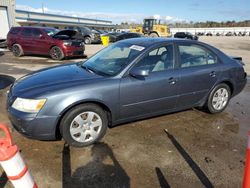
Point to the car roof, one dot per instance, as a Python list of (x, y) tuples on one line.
[(148, 41), (34, 27)]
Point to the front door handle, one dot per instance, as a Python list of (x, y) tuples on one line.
[(212, 74), (172, 81)]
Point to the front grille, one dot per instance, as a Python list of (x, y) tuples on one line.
[(77, 43), (78, 53)]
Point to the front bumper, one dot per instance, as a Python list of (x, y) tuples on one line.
[(70, 51), (33, 126)]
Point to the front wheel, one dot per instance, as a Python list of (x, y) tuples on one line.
[(84, 125), (218, 98), (87, 40), (56, 53)]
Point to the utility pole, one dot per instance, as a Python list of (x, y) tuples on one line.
[(43, 8)]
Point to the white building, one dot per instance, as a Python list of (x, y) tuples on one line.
[(27, 18), (9, 17)]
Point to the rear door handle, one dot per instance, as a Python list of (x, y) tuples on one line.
[(172, 81), (212, 74)]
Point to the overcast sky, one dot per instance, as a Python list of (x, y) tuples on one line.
[(136, 10)]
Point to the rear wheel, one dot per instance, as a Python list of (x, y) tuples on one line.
[(84, 125), (17, 50), (218, 98), (153, 35)]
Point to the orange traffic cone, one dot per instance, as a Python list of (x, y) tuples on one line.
[(12, 162), (246, 180)]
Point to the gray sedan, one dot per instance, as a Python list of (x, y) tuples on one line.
[(129, 80)]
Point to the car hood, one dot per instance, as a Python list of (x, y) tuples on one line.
[(67, 32), (95, 32), (50, 79)]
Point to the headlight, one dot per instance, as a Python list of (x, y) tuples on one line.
[(67, 43), (28, 105)]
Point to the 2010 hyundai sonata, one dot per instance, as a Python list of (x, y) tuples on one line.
[(127, 81)]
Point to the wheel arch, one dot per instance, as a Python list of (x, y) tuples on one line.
[(53, 45), (98, 103), (87, 36), (154, 32), (227, 82), (230, 85), (12, 44)]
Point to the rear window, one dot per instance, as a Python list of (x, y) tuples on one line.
[(15, 30), (27, 32), (36, 32), (194, 55)]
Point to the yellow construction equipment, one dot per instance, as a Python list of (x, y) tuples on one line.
[(137, 29), (152, 27)]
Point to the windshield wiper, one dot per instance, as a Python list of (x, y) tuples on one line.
[(94, 71), (89, 69)]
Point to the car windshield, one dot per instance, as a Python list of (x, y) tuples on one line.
[(113, 59), (103, 32), (85, 29), (51, 31)]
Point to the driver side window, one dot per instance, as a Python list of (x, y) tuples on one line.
[(159, 59)]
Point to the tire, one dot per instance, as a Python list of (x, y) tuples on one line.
[(17, 50), (153, 35), (56, 53), (218, 98), (78, 128), (87, 40)]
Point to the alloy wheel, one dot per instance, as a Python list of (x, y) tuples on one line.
[(220, 99), (56, 53), (16, 50)]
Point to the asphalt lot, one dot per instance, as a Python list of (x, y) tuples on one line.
[(200, 150)]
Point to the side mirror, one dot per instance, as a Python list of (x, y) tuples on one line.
[(139, 72)]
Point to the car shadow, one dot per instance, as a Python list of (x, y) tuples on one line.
[(3, 180), (96, 173), (6, 81), (196, 169)]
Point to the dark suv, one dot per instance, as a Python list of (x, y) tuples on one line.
[(86, 34), (44, 41), (185, 35)]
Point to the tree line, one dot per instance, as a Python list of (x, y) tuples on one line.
[(245, 23)]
